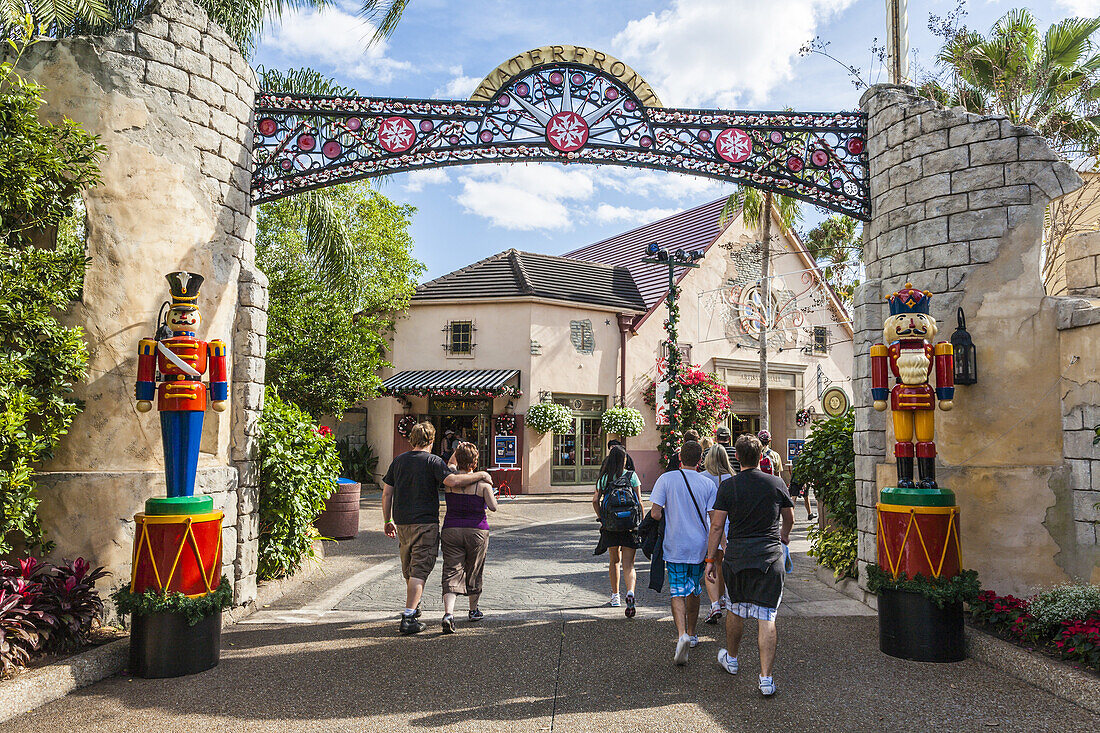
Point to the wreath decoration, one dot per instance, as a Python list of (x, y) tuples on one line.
[(505, 424), (405, 425)]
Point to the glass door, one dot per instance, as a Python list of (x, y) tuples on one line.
[(579, 454)]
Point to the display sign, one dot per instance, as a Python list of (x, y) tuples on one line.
[(660, 392), (504, 450), (794, 447)]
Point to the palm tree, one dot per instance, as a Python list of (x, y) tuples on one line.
[(756, 208), (836, 244), (1047, 81)]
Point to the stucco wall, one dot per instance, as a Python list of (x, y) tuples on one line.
[(171, 100), (958, 204)]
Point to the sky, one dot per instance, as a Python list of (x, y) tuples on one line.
[(732, 54)]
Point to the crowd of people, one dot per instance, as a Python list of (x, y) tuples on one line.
[(719, 520)]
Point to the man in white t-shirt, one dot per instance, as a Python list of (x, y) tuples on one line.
[(683, 497)]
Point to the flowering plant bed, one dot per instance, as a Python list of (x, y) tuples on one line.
[(1063, 623)]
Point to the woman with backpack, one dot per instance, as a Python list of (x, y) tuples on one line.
[(618, 505)]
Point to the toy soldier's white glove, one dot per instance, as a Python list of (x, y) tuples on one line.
[(946, 405), (144, 405), (880, 405), (219, 405)]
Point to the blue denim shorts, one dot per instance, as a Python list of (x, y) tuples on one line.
[(684, 578)]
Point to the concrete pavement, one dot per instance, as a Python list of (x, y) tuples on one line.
[(549, 656)]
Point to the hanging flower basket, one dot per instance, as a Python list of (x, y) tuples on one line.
[(548, 417), (624, 421)]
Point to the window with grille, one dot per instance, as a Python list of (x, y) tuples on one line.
[(821, 340), (580, 333), (460, 338)]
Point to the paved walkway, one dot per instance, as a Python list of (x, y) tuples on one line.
[(549, 656)]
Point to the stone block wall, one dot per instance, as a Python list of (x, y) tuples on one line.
[(958, 203), (171, 98)]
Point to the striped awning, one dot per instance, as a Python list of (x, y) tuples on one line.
[(431, 380)]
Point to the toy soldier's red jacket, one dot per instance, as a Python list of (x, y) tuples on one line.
[(180, 390), (913, 396)]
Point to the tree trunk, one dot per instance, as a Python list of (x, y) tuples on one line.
[(766, 302)]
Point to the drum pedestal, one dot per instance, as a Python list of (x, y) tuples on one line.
[(177, 549), (918, 534)]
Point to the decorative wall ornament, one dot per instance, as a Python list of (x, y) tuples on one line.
[(561, 112)]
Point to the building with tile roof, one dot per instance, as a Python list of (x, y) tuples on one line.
[(480, 345)]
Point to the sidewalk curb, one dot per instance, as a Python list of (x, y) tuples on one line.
[(847, 586), (34, 688), (1080, 688)]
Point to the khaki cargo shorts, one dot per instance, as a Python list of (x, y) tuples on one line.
[(419, 548)]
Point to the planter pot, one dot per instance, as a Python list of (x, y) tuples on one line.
[(340, 520), (163, 645), (910, 626)]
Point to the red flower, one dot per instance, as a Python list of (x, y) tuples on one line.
[(324, 430)]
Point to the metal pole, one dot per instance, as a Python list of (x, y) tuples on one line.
[(673, 418), (897, 40)]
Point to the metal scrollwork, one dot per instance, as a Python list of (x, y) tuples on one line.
[(566, 113)]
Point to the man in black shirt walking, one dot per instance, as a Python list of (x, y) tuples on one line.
[(410, 510)]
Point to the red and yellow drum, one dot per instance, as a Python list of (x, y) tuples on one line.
[(919, 539), (177, 552)]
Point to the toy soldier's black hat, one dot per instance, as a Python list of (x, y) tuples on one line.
[(185, 289)]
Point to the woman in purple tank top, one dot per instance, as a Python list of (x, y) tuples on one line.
[(465, 538)]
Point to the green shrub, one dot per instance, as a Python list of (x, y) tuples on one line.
[(836, 548), (549, 417), (827, 463), (298, 471), (358, 464), (43, 167), (1063, 602)]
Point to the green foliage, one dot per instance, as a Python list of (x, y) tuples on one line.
[(1045, 80), (837, 246), (358, 464), (549, 417), (836, 548), (962, 588), (326, 345), (827, 462), (624, 421), (193, 609), (42, 169), (1076, 601), (298, 471)]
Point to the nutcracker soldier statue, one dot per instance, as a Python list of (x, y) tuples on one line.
[(917, 523), (912, 357), (181, 359), (177, 543)]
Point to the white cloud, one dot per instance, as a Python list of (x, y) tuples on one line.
[(606, 214), (525, 197), (725, 52), (332, 37), (676, 186), (459, 87), (415, 181), (1081, 8)]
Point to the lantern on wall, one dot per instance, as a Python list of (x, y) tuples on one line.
[(966, 357)]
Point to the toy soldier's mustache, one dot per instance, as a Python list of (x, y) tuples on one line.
[(918, 331)]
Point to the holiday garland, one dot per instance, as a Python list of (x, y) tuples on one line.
[(961, 588), (193, 609), (702, 402)]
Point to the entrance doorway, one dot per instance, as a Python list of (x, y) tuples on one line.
[(469, 418), (741, 424)]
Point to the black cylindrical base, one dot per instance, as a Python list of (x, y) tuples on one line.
[(910, 626), (163, 645)]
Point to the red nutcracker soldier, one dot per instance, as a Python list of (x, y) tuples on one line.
[(912, 357), (181, 360)]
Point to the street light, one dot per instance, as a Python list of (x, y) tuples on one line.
[(658, 255)]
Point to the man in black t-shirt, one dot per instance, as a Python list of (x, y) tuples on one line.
[(761, 514), (410, 510)]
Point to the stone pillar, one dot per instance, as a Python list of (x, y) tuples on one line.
[(171, 99), (958, 202)]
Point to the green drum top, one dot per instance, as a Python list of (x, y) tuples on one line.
[(179, 505), (917, 497)]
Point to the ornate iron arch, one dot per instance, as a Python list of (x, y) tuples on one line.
[(564, 112)]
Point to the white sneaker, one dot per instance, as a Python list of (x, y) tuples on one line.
[(615, 600), (682, 646), (767, 686), (694, 642), (728, 663)]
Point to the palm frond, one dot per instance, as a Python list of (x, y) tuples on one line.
[(1065, 43), (385, 14)]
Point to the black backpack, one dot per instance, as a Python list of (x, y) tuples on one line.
[(619, 509)]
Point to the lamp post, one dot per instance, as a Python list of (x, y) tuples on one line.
[(657, 255)]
